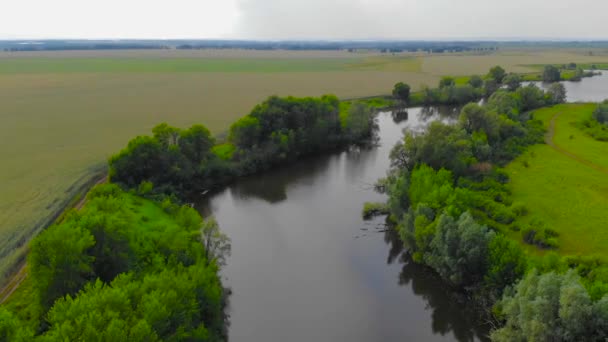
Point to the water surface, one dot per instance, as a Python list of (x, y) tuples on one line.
[(306, 267), (589, 89)]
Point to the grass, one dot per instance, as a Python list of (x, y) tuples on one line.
[(572, 139), (570, 197), (62, 114)]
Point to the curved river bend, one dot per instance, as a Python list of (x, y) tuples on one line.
[(306, 267)]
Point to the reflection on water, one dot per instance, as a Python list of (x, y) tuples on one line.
[(305, 266)]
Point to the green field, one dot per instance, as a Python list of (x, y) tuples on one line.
[(62, 114), (566, 186)]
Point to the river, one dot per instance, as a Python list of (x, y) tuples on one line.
[(306, 267), (589, 89)]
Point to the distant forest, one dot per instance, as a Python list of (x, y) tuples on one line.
[(380, 45)]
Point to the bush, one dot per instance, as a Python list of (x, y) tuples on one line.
[(374, 209)]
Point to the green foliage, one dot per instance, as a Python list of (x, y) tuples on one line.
[(60, 261), (506, 263), (374, 209), (442, 146), (175, 304), (600, 114), (458, 250), (12, 329), (155, 278), (530, 97), (551, 74), (401, 91), (429, 187), (474, 118), (224, 151), (556, 93), (512, 81), (594, 129), (475, 81), (537, 233), (447, 82), (497, 73), (358, 122), (552, 307), (490, 86)]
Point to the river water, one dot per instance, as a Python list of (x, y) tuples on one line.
[(590, 89), (306, 267)]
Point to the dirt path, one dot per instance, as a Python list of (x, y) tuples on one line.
[(550, 142), (13, 284), (20, 275)]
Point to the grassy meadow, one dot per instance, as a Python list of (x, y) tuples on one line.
[(62, 114), (568, 194)]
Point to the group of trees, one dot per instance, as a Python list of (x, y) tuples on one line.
[(552, 307), (278, 130), (451, 204), (121, 269), (284, 129), (597, 125), (449, 92)]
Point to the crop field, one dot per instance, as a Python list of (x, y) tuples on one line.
[(566, 185), (62, 114)]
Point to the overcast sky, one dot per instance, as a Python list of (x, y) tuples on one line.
[(305, 19)]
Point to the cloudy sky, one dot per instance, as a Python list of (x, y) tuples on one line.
[(305, 19)]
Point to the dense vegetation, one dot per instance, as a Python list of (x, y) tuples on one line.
[(277, 131), (453, 210), (123, 268), (597, 125)]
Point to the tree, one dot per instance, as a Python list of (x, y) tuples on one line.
[(216, 244), (447, 82), (358, 123), (557, 93), (401, 91), (245, 132), (476, 81), (60, 261), (195, 144), (475, 118), (531, 97), (600, 114), (497, 73), (506, 263), (512, 81), (551, 74), (12, 329), (551, 307), (139, 161), (458, 250), (490, 86), (166, 134), (442, 146)]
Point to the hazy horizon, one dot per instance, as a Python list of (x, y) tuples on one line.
[(306, 20)]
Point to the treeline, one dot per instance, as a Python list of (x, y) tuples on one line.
[(277, 131), (123, 269), (453, 91), (452, 207)]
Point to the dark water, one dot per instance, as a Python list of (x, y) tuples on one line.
[(306, 267), (590, 89)]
